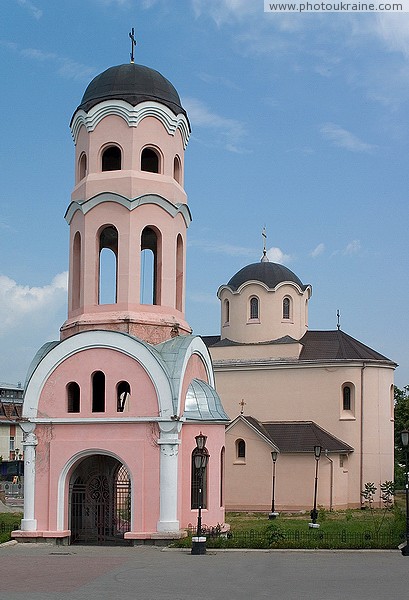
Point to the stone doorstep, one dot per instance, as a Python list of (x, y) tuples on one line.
[(40, 534)]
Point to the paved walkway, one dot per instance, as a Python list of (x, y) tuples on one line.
[(45, 572)]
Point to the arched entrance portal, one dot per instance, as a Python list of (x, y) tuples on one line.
[(100, 501)]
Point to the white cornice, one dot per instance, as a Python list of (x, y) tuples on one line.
[(263, 285), (86, 205), (271, 363), (133, 115)]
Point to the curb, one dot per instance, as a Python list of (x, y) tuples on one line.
[(10, 543)]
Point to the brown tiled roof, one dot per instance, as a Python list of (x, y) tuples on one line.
[(9, 411), (318, 345), (336, 345), (299, 436)]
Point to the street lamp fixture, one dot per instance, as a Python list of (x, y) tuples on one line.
[(273, 514), (200, 460), (404, 436), (314, 512)]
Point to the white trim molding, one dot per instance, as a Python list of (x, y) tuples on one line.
[(133, 115)]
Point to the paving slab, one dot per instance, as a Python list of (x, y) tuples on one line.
[(48, 572)]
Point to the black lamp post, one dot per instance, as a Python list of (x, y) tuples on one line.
[(201, 458), (404, 436), (273, 514), (314, 512)]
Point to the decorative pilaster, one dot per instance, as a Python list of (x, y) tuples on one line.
[(29, 523), (169, 446)]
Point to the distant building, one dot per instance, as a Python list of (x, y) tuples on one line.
[(288, 389), (11, 436)]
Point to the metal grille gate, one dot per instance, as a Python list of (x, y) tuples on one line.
[(100, 502)]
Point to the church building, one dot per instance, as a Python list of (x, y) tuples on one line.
[(112, 409), (288, 389)]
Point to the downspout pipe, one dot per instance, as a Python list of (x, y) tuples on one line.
[(361, 470), (331, 484)]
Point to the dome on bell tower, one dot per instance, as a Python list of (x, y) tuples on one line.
[(133, 84)]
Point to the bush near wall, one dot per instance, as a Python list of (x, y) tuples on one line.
[(8, 522)]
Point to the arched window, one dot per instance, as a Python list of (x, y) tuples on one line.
[(151, 266), (286, 308), (82, 166), (240, 449), (254, 308), (150, 160), (98, 392), (177, 169), (108, 258), (123, 391), (226, 316), (179, 273), (73, 397), (194, 488), (111, 159), (348, 400), (76, 271)]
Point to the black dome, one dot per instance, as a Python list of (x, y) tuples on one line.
[(134, 84), (269, 273)]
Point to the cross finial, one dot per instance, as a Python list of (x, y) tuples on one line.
[(264, 235), (133, 43), (242, 404), (338, 319)]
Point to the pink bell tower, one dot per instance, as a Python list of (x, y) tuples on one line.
[(128, 207)]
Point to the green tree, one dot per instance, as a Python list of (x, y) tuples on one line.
[(401, 422)]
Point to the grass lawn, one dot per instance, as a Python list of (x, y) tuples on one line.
[(338, 529), (8, 521)]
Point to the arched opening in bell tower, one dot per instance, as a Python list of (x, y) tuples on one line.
[(108, 265), (111, 159), (151, 266), (76, 271), (179, 273)]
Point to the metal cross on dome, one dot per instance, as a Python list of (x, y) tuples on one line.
[(133, 42)]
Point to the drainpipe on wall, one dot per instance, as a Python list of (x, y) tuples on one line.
[(331, 485), (361, 472)]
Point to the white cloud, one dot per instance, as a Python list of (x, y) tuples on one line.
[(224, 10), (345, 139), (34, 10), (352, 248), (231, 131), (278, 256), (21, 303), (318, 250), (65, 67)]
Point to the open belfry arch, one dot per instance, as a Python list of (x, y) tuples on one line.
[(111, 410)]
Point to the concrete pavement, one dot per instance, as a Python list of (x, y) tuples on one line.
[(47, 572)]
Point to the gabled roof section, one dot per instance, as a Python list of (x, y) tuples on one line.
[(10, 411), (298, 436), (337, 345)]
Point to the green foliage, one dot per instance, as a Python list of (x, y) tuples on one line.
[(8, 522), (401, 416), (274, 534), (387, 492), (322, 513)]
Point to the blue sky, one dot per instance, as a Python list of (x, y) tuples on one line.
[(299, 123)]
